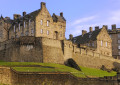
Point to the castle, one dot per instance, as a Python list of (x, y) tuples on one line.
[(40, 37)]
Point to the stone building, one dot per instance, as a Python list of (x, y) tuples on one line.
[(115, 36), (97, 40), (38, 24), (40, 37), (5, 24)]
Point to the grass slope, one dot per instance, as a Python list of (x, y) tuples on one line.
[(50, 67)]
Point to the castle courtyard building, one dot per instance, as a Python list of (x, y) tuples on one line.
[(97, 40)]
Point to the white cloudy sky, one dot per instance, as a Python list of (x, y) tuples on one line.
[(80, 14)]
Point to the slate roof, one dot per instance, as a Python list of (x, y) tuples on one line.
[(58, 18), (86, 38)]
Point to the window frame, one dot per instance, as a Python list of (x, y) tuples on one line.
[(101, 43), (41, 22), (48, 22), (41, 31), (47, 32)]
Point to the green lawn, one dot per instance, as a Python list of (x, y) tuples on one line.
[(96, 72), (50, 67)]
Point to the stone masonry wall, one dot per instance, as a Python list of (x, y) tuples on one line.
[(52, 51), (11, 77)]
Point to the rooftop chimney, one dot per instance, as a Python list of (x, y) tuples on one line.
[(61, 14), (97, 28), (16, 16), (90, 29), (70, 36), (24, 13), (43, 5), (105, 27), (114, 27), (84, 32), (7, 18)]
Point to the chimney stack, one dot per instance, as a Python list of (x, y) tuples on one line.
[(16, 16), (70, 36), (24, 13), (43, 5), (97, 28), (105, 27), (114, 27), (61, 14), (84, 32), (90, 29)]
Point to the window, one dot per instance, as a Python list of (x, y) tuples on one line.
[(119, 47), (47, 32), (101, 43), (118, 35), (118, 41), (24, 24), (92, 44), (41, 22), (29, 22), (118, 53), (48, 23), (19, 26), (106, 44), (26, 33), (110, 36), (14, 28), (32, 31), (88, 44), (41, 31)]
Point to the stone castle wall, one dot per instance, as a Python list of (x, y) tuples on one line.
[(12, 77), (47, 50)]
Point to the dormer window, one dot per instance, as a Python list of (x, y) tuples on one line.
[(41, 22), (48, 23)]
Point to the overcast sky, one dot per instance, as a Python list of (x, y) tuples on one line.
[(80, 14)]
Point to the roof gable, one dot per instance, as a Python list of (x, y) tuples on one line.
[(86, 38)]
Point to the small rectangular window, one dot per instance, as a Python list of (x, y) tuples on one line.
[(47, 32), (26, 33), (93, 44), (119, 53), (41, 31), (118, 41), (19, 26), (41, 22), (32, 31), (118, 35), (101, 43), (24, 24), (106, 44), (14, 28), (29, 22), (118, 47), (47, 23)]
